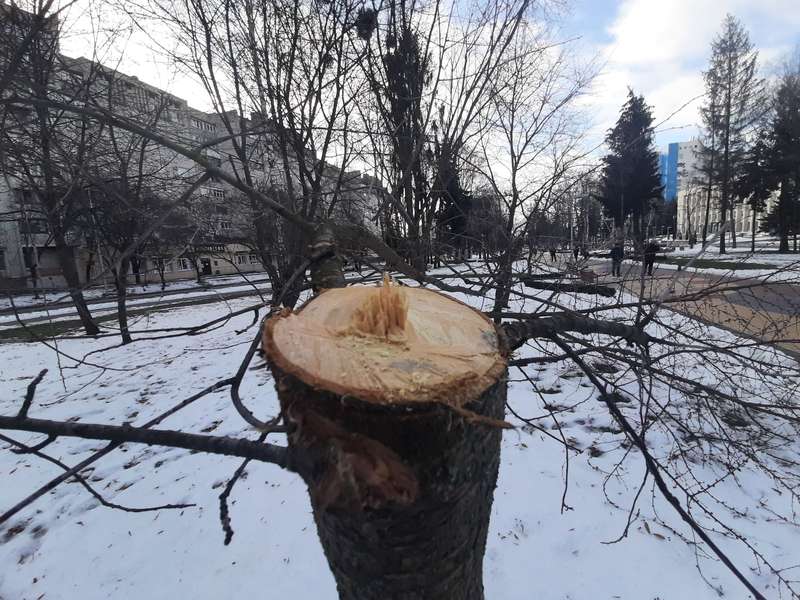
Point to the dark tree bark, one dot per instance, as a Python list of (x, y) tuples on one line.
[(66, 260), (579, 288), (404, 467), (432, 547), (136, 267), (121, 283)]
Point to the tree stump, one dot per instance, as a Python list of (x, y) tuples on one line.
[(397, 395)]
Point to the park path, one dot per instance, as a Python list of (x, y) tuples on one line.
[(768, 312)]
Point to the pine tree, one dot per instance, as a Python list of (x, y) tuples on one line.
[(785, 215), (756, 181), (630, 179), (735, 103)]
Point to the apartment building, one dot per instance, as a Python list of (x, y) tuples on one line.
[(211, 236)]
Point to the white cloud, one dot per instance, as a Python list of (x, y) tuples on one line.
[(660, 48)]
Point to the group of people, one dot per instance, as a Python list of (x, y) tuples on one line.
[(617, 256), (576, 251)]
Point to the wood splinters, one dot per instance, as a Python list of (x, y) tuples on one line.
[(384, 313)]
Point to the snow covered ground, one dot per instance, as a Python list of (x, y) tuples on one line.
[(783, 267), (67, 546), (100, 309), (153, 287)]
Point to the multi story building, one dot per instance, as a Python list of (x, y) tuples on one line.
[(695, 201), (668, 166), (695, 198), (213, 235)]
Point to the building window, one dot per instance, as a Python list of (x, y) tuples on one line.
[(253, 259), (224, 224), (241, 259), (183, 264), (203, 125), (217, 193)]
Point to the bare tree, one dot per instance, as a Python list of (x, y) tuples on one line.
[(41, 146), (382, 460)]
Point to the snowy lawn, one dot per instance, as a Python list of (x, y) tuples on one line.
[(44, 298), (784, 267), (100, 309), (66, 545)]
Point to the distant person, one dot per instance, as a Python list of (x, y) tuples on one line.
[(650, 252), (575, 251), (617, 255), (553, 253)]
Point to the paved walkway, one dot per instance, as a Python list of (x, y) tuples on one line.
[(764, 311)]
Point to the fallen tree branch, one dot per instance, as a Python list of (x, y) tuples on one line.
[(519, 332), (566, 286), (224, 445), (654, 468)]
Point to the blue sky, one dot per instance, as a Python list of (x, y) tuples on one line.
[(660, 47)]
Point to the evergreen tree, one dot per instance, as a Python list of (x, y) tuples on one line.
[(631, 178), (735, 104), (756, 181), (453, 200), (785, 215)]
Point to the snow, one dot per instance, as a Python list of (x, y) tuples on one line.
[(785, 267), (46, 297), (104, 308), (67, 546)]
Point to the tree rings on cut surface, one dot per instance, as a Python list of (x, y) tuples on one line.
[(388, 345)]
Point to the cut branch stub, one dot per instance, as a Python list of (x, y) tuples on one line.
[(375, 383)]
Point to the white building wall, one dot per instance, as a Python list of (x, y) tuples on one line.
[(692, 210)]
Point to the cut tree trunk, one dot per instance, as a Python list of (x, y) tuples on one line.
[(567, 287), (399, 395)]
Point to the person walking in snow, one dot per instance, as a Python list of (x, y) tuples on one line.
[(650, 252)]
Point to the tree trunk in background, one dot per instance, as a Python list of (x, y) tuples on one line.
[(708, 214), (161, 267), (783, 217), (198, 274), (121, 281), (784, 235), (136, 266), (89, 266), (66, 261)]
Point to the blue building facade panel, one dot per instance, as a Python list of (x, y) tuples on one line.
[(668, 164)]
